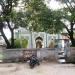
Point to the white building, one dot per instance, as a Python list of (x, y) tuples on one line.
[(37, 39)]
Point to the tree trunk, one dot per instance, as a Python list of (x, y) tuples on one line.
[(71, 35), (73, 42), (5, 38), (12, 38), (12, 34), (72, 39)]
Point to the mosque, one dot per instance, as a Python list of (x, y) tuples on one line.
[(39, 39)]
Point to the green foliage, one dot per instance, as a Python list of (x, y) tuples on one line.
[(20, 19), (36, 16), (34, 10), (7, 14), (19, 43), (69, 15), (24, 43), (41, 18)]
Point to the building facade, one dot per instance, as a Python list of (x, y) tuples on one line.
[(38, 39)]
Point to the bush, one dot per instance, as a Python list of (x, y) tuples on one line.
[(24, 43), (17, 43), (21, 43)]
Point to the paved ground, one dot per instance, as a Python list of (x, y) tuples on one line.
[(43, 69)]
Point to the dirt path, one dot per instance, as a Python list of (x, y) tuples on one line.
[(43, 69)]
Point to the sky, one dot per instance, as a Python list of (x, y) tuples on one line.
[(52, 4), (7, 33)]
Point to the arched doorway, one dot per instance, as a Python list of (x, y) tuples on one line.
[(39, 42)]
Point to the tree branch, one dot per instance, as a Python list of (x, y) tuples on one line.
[(69, 8), (70, 4), (67, 28), (74, 1), (9, 25), (3, 5), (5, 38), (72, 24), (10, 5)]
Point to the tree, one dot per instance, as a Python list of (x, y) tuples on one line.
[(41, 18), (69, 15), (8, 17), (36, 16), (21, 19)]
